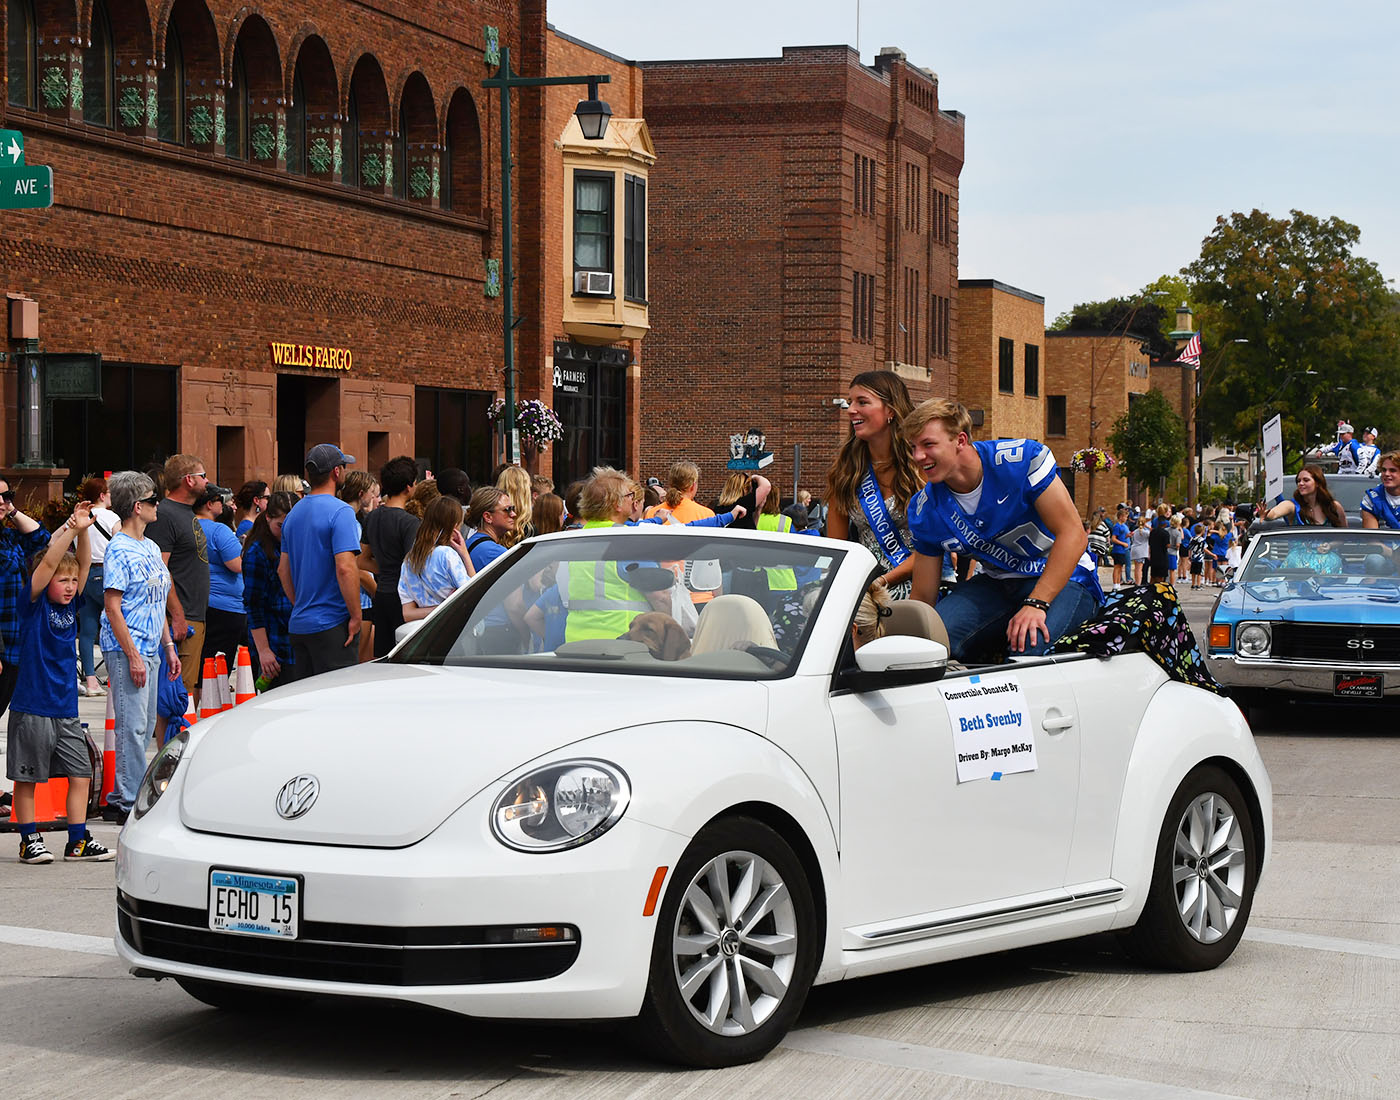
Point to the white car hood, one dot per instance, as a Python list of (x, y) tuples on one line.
[(397, 748)]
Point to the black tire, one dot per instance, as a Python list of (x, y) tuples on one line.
[(236, 998), (668, 1026), (1182, 929)]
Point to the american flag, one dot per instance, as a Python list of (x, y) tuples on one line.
[(1191, 353)]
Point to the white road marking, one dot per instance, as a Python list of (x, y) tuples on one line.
[(980, 1067), (57, 941), (1323, 943)]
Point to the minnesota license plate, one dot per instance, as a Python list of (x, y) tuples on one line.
[(254, 905), (1358, 685)]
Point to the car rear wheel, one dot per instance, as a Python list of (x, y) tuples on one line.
[(735, 950), (1203, 876)]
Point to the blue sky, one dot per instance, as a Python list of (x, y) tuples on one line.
[(1103, 139)]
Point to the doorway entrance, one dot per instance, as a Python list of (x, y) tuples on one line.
[(308, 413)]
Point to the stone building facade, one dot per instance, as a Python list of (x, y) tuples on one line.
[(1090, 381), (803, 229), (1001, 344), (279, 223)]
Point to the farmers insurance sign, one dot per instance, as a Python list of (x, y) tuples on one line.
[(310, 355)]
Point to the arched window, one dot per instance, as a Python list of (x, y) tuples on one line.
[(296, 128), (236, 108), (170, 91), (20, 58), (461, 158), (98, 66), (350, 143)]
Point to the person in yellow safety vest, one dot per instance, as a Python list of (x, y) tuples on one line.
[(601, 604), (597, 595), (779, 579)]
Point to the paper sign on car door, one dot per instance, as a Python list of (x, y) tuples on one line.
[(991, 727)]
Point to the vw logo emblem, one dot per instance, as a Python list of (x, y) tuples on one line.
[(297, 796)]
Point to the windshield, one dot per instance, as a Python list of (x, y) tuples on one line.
[(1288, 565), (666, 603)]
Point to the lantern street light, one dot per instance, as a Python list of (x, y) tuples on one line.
[(593, 114)]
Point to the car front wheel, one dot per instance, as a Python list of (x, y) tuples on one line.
[(1202, 879), (735, 950)]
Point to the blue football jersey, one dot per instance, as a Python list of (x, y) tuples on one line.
[(1348, 455), (1378, 504), (1005, 532)]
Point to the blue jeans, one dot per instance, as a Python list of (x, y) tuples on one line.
[(977, 612), (135, 718), (90, 618)]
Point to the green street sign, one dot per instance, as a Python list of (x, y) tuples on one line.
[(26, 188), (11, 149)]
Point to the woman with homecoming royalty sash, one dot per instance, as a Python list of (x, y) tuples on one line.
[(872, 481), (1002, 502)]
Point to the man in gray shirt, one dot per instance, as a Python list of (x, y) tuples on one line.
[(182, 547)]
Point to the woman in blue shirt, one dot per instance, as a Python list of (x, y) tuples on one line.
[(225, 624)]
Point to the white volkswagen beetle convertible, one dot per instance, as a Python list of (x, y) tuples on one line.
[(521, 814)]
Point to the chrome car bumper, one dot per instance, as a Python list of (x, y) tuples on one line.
[(1265, 674), (422, 924)]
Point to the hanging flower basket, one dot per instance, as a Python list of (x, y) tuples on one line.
[(1091, 460), (534, 420)]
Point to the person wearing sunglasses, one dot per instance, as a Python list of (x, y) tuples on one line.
[(21, 538), (491, 514), (135, 631)]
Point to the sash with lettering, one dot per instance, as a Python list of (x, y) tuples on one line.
[(1381, 508), (872, 503)]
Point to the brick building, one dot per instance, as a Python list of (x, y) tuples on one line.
[(279, 223), (1090, 380), (1001, 334), (804, 229)]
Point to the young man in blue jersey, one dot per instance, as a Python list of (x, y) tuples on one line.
[(1001, 502)]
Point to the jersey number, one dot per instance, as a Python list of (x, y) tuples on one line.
[(1009, 451), (1028, 540)]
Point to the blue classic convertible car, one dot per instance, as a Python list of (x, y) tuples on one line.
[(1312, 611)]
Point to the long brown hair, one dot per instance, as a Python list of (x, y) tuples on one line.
[(549, 514), (440, 519), (1322, 496), (278, 505), (844, 477)]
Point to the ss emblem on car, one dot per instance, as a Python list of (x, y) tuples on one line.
[(1361, 643)]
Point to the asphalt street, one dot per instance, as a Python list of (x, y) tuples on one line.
[(1307, 1007)]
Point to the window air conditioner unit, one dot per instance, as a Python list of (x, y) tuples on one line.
[(593, 282)]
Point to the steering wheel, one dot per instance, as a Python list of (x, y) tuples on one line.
[(773, 658)]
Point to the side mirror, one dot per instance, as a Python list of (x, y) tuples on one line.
[(896, 661)]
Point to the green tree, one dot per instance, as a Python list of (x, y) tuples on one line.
[(1148, 318), (1148, 439), (1297, 292)]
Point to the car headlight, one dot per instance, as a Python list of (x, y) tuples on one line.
[(160, 773), (1253, 640), (560, 806)]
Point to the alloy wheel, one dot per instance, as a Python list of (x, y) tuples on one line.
[(734, 946), (1208, 867)]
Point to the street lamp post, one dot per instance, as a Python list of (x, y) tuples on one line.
[(593, 115)]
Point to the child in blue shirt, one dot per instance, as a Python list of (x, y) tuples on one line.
[(44, 738)]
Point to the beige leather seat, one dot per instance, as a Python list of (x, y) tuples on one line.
[(916, 619)]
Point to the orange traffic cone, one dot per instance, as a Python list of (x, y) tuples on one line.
[(109, 752), (221, 670), (209, 693), (243, 688), (191, 715)]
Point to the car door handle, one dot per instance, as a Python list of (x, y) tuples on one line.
[(1055, 723)]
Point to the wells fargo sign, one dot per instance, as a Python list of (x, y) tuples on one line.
[(311, 355)]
